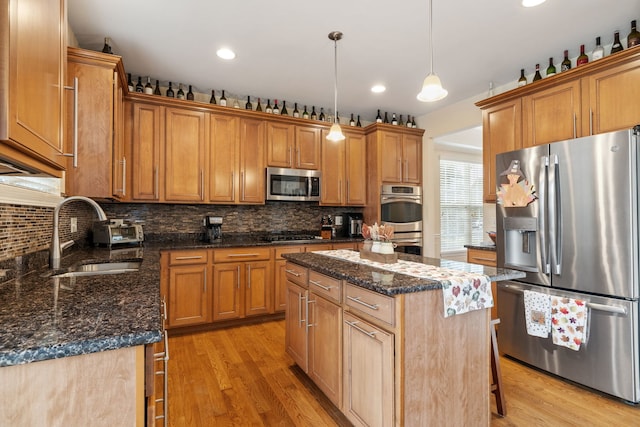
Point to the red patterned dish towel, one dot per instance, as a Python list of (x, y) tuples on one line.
[(569, 322)]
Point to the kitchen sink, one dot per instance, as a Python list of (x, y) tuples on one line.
[(97, 268)]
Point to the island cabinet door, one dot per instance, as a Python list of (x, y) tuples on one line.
[(325, 346), (368, 373), (296, 340)]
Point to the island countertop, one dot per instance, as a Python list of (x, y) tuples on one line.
[(393, 283)]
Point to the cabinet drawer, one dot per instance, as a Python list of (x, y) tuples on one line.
[(380, 306), (477, 256), (297, 274), (318, 247), (241, 254), (287, 250), (188, 257), (326, 286)]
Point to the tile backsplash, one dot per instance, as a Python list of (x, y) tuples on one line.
[(27, 229)]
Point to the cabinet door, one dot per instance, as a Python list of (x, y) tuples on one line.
[(356, 170), (280, 276), (119, 180), (501, 132), (333, 165), (223, 158), (226, 291), (146, 141), (307, 153), (92, 176), (36, 61), (185, 146), (296, 324), (325, 346), (252, 169), (280, 145), (552, 115), (258, 290), (613, 99), (391, 152), (411, 159), (189, 295), (369, 375)]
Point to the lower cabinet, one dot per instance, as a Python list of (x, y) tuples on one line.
[(186, 283), (296, 341), (368, 373), (280, 276)]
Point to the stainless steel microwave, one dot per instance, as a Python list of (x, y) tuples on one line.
[(293, 184)]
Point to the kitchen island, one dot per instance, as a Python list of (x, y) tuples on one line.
[(377, 343)]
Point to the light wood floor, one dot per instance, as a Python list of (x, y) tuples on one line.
[(241, 376)]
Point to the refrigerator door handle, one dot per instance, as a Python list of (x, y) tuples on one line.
[(607, 308), (542, 213), (554, 216), (511, 288)]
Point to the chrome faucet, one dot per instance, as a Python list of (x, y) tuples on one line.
[(55, 249)]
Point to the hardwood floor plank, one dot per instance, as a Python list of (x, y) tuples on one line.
[(241, 376)]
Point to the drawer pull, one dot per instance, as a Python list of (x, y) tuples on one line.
[(484, 259), (295, 273), (357, 299), (182, 258), (241, 255), (355, 326), (326, 288)]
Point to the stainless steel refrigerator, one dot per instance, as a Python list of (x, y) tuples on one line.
[(573, 228)]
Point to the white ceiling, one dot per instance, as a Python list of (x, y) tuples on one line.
[(283, 50)]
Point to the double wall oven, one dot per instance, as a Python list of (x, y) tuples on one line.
[(401, 206)]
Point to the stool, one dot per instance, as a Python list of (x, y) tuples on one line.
[(496, 385)]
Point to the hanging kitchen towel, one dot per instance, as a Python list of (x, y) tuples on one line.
[(569, 322), (463, 294), (537, 311)]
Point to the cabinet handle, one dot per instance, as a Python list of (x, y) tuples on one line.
[(182, 258), (339, 191), (248, 277), (326, 288), (483, 259), (124, 176), (590, 121), (575, 121), (348, 191), (309, 324), (290, 156), (241, 255), (295, 273), (406, 170), (298, 156), (400, 168), (233, 187), (205, 280), (238, 277), (357, 299), (164, 308), (155, 183), (74, 152), (300, 319), (355, 326), (201, 185), (242, 183)]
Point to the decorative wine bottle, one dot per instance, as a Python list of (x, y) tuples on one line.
[(314, 116), (566, 62), (139, 87), (632, 39), (156, 91), (352, 122), (598, 51), (107, 45), (616, 46), (190, 96), (248, 105), (321, 116), (268, 108), (130, 83), (537, 76), (358, 124), (551, 69), (394, 120), (170, 93), (212, 100), (583, 58), (223, 100), (284, 108), (378, 117), (180, 94), (259, 106), (296, 113), (276, 109), (305, 113)]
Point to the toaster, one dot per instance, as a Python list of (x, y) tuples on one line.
[(115, 232)]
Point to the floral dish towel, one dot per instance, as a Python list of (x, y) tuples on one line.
[(569, 322)]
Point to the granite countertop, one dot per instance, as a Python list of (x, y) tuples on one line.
[(389, 283), (46, 318), (483, 247)]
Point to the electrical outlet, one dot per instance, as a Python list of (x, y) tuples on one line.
[(74, 225)]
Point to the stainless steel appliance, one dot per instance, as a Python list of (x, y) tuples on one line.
[(353, 226), (117, 231), (213, 227), (293, 184), (578, 239), (401, 206)]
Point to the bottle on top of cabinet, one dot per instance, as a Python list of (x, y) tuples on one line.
[(598, 51), (634, 36), (616, 46), (583, 58), (566, 62)]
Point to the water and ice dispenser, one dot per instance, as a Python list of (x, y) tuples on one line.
[(520, 237)]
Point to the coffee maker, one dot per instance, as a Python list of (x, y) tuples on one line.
[(213, 226), (353, 226)]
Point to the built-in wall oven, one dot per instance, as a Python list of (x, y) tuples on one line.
[(401, 206)]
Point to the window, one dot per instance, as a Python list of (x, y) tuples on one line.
[(460, 205)]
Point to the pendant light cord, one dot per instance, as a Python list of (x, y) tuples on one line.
[(335, 86), (431, 33)]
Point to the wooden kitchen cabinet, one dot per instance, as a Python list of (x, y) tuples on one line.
[(32, 87), (242, 283), (293, 146), (186, 284), (185, 146), (490, 259), (343, 171), (501, 132), (402, 159), (552, 114), (280, 276), (147, 139), (296, 339), (368, 373), (100, 157)]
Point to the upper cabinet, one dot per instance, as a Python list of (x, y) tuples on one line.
[(594, 98), (32, 79), (344, 170), (293, 146), (146, 140), (100, 164)]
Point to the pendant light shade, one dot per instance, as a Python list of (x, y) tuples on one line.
[(432, 89), (335, 133)]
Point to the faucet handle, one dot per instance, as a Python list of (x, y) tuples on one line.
[(67, 244)]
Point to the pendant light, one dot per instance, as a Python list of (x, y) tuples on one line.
[(432, 89), (532, 3), (335, 133)]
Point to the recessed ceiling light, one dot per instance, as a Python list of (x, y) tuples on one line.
[(532, 3), (378, 89), (225, 53)]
